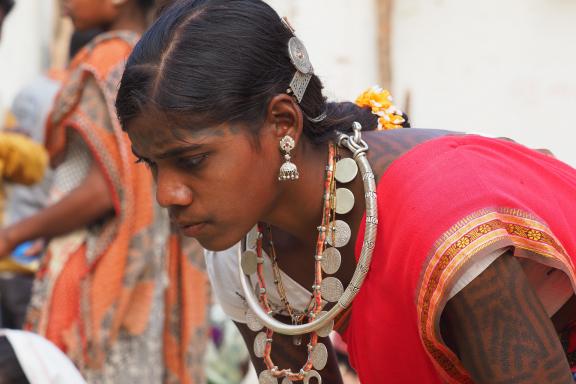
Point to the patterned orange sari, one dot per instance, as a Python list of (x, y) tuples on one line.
[(104, 290), (444, 206)]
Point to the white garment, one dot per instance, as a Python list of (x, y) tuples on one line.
[(41, 361), (222, 269)]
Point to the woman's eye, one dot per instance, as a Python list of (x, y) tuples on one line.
[(191, 162)]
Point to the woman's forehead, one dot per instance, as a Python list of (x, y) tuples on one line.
[(155, 136)]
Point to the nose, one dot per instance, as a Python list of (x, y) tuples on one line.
[(171, 191)]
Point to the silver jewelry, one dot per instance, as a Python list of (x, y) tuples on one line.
[(344, 201), (304, 71), (346, 170), (249, 262), (312, 375), (319, 356), (288, 170), (266, 377), (325, 330), (331, 260), (260, 342), (316, 119), (358, 147), (332, 289), (341, 234), (252, 322)]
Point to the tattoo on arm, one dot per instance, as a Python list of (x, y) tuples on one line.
[(501, 332), (287, 355)]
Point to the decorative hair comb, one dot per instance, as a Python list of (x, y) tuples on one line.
[(301, 61)]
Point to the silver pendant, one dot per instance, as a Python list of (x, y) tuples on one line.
[(260, 344), (252, 239), (249, 262), (331, 260), (327, 329), (266, 377), (319, 356), (252, 321), (346, 170), (341, 236), (331, 289), (344, 201), (312, 375)]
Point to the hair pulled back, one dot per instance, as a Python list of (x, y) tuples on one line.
[(216, 61)]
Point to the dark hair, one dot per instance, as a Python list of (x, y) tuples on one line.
[(10, 370), (216, 61), (146, 4), (79, 39), (6, 6)]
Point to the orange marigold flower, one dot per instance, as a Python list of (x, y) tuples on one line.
[(380, 102)]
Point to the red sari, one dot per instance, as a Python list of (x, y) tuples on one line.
[(442, 205)]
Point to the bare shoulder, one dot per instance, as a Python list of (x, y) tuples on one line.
[(387, 146)]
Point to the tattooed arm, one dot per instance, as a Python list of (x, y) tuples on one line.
[(500, 331), (286, 355)]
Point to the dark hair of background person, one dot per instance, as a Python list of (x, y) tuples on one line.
[(146, 4), (6, 6), (213, 61), (10, 370)]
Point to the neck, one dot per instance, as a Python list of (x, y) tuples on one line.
[(298, 208), (131, 18)]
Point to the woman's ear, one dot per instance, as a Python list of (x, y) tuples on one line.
[(285, 117)]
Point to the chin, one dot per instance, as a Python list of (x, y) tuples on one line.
[(219, 237), (217, 244)]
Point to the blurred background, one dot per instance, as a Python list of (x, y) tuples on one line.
[(494, 67)]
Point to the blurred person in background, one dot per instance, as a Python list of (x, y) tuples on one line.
[(27, 116), (116, 292), (21, 161), (27, 358), (24, 162)]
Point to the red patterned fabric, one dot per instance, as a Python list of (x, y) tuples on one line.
[(441, 205)]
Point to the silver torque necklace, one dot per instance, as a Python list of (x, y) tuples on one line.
[(346, 170)]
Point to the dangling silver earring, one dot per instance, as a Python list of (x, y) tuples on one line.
[(288, 170)]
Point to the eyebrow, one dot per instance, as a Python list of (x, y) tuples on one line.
[(173, 152)]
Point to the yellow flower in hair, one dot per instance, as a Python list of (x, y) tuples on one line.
[(380, 102)]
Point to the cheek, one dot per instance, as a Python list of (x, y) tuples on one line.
[(241, 185)]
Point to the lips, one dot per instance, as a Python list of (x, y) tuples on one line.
[(192, 230)]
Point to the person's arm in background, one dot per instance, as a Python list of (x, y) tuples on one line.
[(90, 201), (82, 206)]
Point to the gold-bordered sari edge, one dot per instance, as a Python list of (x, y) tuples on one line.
[(479, 234)]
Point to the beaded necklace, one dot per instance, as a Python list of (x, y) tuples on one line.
[(331, 232), (317, 352)]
